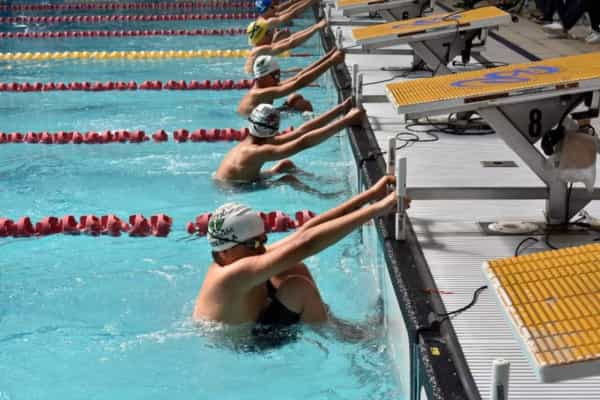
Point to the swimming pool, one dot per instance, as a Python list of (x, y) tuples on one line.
[(106, 317)]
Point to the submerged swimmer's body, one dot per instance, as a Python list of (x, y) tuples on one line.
[(244, 163)]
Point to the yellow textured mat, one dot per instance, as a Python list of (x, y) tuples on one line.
[(552, 299), (430, 23), (469, 87)]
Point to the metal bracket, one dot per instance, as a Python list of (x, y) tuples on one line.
[(520, 126)]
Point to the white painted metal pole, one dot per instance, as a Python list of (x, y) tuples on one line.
[(391, 165), (339, 38), (401, 195), (500, 373)]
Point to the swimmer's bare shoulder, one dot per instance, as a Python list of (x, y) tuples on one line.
[(254, 97)]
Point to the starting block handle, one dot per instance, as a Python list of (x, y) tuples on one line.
[(401, 195), (339, 38), (391, 166), (500, 376)]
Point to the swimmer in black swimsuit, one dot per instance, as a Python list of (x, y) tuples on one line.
[(249, 282)]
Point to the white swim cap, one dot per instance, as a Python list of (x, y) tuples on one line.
[(264, 121), (264, 65), (231, 224)]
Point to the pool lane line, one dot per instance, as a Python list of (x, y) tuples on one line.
[(90, 19), (135, 55), (122, 33), (129, 6)]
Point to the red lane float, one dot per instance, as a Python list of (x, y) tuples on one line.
[(125, 136), (119, 18), (111, 225), (122, 85), (129, 6), (274, 221), (122, 33)]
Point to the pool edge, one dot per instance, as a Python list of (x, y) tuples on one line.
[(437, 361)]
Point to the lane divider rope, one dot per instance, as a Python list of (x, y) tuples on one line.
[(218, 84), (25, 19), (125, 136), (128, 6), (136, 225), (131, 55), (123, 33)]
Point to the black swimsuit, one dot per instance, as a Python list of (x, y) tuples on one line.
[(276, 313), (274, 326)]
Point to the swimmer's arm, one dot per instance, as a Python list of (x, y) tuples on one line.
[(283, 6), (257, 51), (302, 79), (375, 193), (314, 123), (278, 152), (288, 14), (252, 271), (297, 38)]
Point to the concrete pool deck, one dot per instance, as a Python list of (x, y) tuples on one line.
[(448, 230)]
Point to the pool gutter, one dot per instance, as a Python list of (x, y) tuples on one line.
[(437, 361)]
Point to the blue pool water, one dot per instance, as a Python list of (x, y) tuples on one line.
[(109, 318)]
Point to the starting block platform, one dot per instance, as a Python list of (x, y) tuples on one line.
[(552, 302), (390, 10), (522, 102), (437, 39)]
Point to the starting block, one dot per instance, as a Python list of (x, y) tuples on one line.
[(552, 302), (390, 10), (435, 40), (522, 103)]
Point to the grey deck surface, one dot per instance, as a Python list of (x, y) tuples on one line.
[(451, 240)]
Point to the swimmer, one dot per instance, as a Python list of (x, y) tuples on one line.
[(268, 86), (272, 16), (262, 39), (244, 162), (270, 285)]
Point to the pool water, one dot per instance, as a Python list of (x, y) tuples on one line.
[(107, 318)]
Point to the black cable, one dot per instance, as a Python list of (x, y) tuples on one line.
[(489, 64), (476, 294), (473, 127), (385, 80), (522, 242)]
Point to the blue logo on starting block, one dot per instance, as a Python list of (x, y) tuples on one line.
[(499, 78)]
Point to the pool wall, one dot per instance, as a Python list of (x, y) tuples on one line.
[(435, 366)]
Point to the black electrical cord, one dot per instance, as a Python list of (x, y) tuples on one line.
[(489, 64), (413, 138), (446, 316), (522, 242), (472, 127)]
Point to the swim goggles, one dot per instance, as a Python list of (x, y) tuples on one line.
[(252, 244)]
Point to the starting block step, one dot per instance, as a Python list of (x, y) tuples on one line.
[(552, 302), (472, 90), (414, 29)]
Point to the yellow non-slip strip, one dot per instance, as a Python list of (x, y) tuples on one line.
[(470, 86), (105, 55), (554, 299), (412, 26)]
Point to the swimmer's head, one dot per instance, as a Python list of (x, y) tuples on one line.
[(258, 33), (262, 6), (266, 67), (234, 224), (264, 121)]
